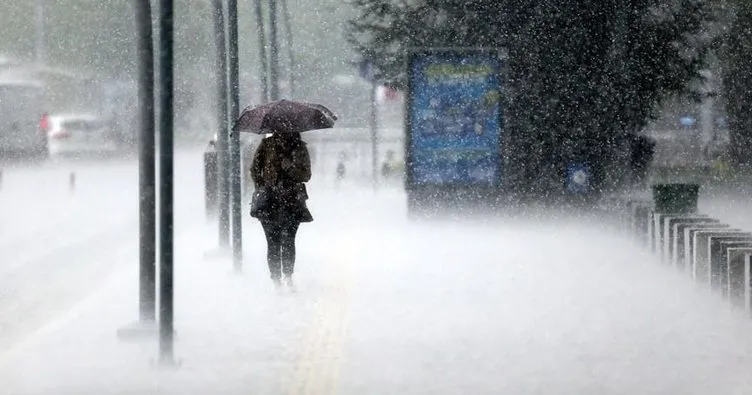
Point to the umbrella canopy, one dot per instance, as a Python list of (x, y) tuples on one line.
[(285, 116)]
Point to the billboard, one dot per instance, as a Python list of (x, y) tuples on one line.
[(454, 118)]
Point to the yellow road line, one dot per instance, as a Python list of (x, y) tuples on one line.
[(339, 333), (318, 368)]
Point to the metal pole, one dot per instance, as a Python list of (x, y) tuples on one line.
[(235, 181), (264, 61), (39, 39), (374, 125), (222, 127), (166, 173), (290, 52), (146, 165), (273, 52), (210, 180)]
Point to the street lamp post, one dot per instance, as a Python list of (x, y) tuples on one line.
[(166, 190), (290, 47), (39, 34), (264, 61), (273, 52), (235, 180), (222, 127), (146, 326), (147, 165)]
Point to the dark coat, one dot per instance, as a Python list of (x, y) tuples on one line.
[(282, 165)]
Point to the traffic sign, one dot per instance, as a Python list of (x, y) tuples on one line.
[(578, 178)]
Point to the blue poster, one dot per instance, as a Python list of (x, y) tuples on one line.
[(455, 119)]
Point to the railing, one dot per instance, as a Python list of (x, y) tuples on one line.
[(708, 252)]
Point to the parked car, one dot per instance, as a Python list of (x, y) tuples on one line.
[(21, 107), (80, 134)]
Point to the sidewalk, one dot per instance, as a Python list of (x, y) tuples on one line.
[(385, 306), (235, 333), (734, 209)]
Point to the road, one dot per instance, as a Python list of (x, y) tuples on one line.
[(384, 305)]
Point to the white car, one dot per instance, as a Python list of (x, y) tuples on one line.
[(80, 134)]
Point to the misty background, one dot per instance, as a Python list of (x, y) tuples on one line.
[(527, 299), (684, 83), (91, 45)]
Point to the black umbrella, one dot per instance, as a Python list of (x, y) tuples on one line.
[(285, 116)]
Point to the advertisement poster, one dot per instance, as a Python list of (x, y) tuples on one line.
[(454, 120)]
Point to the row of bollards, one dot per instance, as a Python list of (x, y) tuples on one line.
[(707, 251)]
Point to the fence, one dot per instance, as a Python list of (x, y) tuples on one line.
[(353, 148)]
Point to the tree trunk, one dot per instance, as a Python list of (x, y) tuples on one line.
[(737, 81)]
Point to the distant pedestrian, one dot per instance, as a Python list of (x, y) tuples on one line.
[(281, 166), (340, 170), (387, 168)]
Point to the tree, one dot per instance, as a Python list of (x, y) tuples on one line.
[(737, 85), (583, 77)]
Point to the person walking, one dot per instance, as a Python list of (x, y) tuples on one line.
[(281, 166)]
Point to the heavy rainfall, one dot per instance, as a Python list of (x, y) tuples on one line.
[(375, 197)]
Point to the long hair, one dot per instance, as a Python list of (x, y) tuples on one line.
[(277, 147), (288, 142)]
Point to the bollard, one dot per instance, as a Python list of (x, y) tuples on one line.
[(211, 191), (689, 242), (676, 249), (736, 260), (667, 236), (656, 243), (717, 270), (732, 255), (748, 283), (701, 252)]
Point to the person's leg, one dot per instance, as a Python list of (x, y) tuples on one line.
[(288, 233), (273, 234)]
